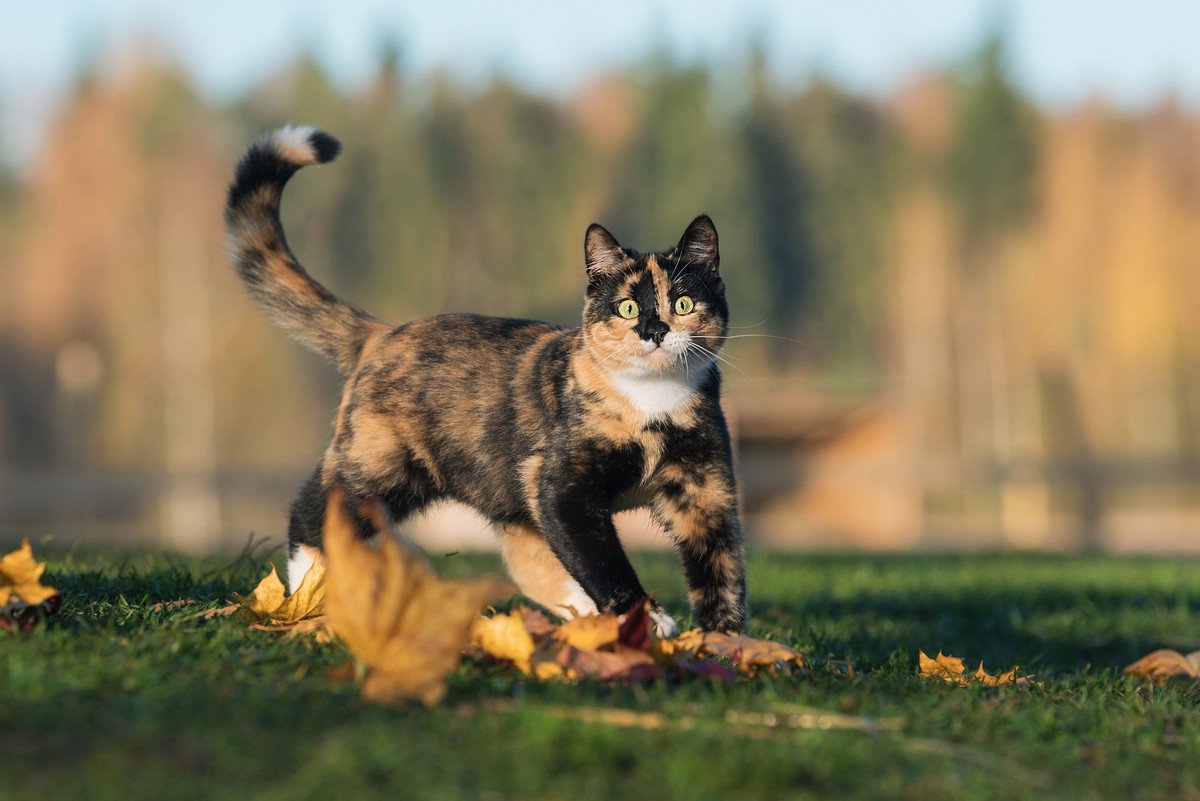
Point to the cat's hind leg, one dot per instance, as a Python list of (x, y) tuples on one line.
[(543, 579), (538, 572)]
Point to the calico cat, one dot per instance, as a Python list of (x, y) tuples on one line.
[(545, 430)]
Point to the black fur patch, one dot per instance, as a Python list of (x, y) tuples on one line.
[(324, 146)]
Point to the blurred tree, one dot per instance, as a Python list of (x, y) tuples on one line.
[(678, 162), (989, 174), (993, 158), (851, 159), (780, 205)]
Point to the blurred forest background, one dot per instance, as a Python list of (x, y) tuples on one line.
[(981, 315)]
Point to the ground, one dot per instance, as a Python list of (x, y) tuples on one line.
[(117, 698)]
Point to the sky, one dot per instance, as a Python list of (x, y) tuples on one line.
[(1063, 52)]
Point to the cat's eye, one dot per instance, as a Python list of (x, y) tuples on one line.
[(684, 305), (628, 309)]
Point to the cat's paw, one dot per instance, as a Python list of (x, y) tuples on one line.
[(665, 626)]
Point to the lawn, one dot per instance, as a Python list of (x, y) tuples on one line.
[(121, 697)]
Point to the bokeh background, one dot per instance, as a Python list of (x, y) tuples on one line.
[(962, 243)]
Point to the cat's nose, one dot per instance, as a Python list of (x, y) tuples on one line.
[(653, 329)]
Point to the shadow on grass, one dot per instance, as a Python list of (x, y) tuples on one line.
[(1046, 613)]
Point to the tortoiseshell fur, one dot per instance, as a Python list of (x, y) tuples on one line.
[(545, 430)]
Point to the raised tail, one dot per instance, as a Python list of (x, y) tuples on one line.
[(301, 306)]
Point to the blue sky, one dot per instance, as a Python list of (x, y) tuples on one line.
[(1064, 51)]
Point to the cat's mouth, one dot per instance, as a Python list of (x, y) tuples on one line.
[(660, 357), (666, 355)]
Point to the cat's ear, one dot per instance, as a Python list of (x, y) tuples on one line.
[(698, 245), (601, 251)]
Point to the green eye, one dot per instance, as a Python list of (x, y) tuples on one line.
[(684, 305), (627, 309)]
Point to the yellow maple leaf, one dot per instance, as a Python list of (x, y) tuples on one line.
[(505, 637), (392, 611), (20, 577), (590, 632), (269, 604)]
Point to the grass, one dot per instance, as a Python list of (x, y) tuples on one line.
[(116, 698)]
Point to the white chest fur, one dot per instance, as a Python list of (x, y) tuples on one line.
[(655, 396), (660, 395)]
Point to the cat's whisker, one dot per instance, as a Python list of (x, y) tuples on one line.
[(719, 357), (766, 336), (724, 360)]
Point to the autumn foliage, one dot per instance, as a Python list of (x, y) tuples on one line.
[(22, 595)]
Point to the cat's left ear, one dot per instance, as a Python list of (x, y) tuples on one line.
[(698, 245)]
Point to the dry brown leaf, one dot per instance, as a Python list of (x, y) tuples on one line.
[(999, 680), (536, 623), (951, 669), (21, 578), (269, 604), (505, 636), (317, 626), (746, 653), (1165, 663), (387, 605), (947, 668), (619, 664), (621, 648)]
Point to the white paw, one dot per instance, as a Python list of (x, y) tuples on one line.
[(665, 626)]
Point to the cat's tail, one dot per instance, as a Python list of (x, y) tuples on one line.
[(297, 303)]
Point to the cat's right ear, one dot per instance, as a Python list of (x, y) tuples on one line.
[(601, 251)]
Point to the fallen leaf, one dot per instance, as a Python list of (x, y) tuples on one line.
[(590, 632), (635, 629), (746, 653), (505, 637), (947, 668), (317, 626), (1000, 680), (952, 670), (1165, 663), (20, 578), (386, 604), (536, 623), (619, 664), (269, 604)]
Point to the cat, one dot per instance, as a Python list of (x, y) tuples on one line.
[(547, 431)]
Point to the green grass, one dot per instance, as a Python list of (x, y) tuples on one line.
[(113, 699)]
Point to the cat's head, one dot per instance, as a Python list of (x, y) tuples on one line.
[(655, 313)]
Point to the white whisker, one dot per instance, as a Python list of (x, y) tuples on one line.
[(766, 336)]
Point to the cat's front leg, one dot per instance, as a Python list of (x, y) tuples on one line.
[(698, 508), (577, 521)]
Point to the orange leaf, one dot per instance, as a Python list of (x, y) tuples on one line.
[(746, 653), (946, 668), (390, 609), (952, 670), (268, 603), (505, 637), (20, 577), (1164, 663), (589, 633)]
